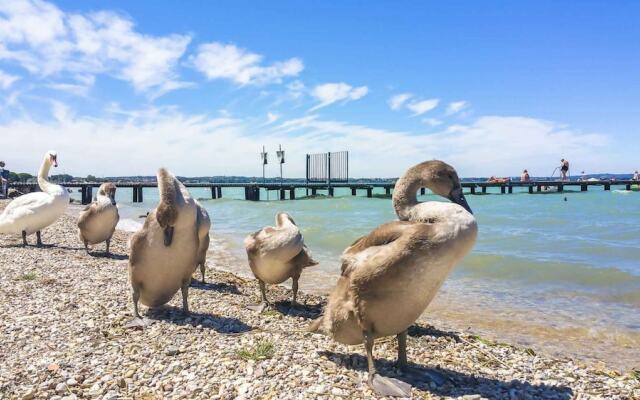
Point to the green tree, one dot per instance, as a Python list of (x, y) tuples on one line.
[(91, 178)]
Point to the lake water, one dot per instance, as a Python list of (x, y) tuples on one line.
[(560, 276)]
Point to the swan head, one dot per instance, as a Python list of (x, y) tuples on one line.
[(109, 190), (282, 218), (442, 179), (51, 158)]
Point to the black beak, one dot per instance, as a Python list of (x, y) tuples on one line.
[(168, 235), (113, 200), (457, 197)]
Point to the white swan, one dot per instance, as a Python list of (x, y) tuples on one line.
[(33, 212), (390, 276)]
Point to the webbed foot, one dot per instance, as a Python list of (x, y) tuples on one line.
[(389, 386), (139, 323)]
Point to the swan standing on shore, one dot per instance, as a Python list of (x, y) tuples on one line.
[(390, 276), (98, 221), (164, 252), (277, 254), (33, 212)]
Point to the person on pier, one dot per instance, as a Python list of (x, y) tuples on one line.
[(524, 177), (636, 176), (564, 168)]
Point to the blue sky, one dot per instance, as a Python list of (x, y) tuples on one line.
[(125, 87)]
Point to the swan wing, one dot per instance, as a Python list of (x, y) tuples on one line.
[(26, 205), (384, 249)]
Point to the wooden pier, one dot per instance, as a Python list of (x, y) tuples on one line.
[(288, 190)]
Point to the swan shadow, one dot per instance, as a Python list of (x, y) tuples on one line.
[(217, 323), (306, 311), (221, 287), (429, 330), (447, 382)]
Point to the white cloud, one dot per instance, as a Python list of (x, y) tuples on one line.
[(456, 106), (432, 121), (6, 80), (271, 118), (49, 42), (226, 61), (330, 93), (185, 142), (396, 102), (421, 107)]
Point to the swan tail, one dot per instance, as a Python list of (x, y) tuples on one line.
[(305, 259)]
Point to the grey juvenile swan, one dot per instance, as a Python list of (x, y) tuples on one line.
[(390, 276), (277, 254)]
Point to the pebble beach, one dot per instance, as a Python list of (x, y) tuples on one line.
[(62, 328)]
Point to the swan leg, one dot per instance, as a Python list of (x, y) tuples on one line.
[(137, 321), (135, 295), (86, 247), (265, 303), (382, 385), (39, 240), (294, 289), (202, 270), (185, 296), (108, 243), (24, 239), (402, 350)]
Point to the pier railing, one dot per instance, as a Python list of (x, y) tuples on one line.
[(252, 190)]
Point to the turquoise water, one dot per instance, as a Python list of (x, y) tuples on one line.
[(544, 270)]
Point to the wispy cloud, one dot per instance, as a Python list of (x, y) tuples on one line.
[(227, 61), (421, 107), (271, 118), (6, 80), (432, 121), (48, 42), (330, 93), (396, 102), (456, 106)]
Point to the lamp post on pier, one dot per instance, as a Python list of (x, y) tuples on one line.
[(280, 154)]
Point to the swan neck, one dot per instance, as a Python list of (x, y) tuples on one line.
[(43, 176), (405, 195)]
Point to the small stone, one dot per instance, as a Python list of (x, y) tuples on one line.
[(29, 395), (61, 387), (172, 351), (53, 367), (71, 382)]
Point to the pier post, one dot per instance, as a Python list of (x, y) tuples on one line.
[(607, 186), (628, 187), (510, 189), (135, 194), (292, 194), (353, 191), (422, 191), (219, 190), (560, 187), (583, 187), (473, 190), (140, 194), (539, 188), (369, 192), (214, 194), (530, 189), (484, 190), (503, 189), (282, 197), (330, 191), (387, 190), (314, 191), (89, 194), (83, 194)]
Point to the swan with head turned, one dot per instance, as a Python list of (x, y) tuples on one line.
[(33, 212), (390, 276), (164, 252), (98, 221), (277, 254)]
